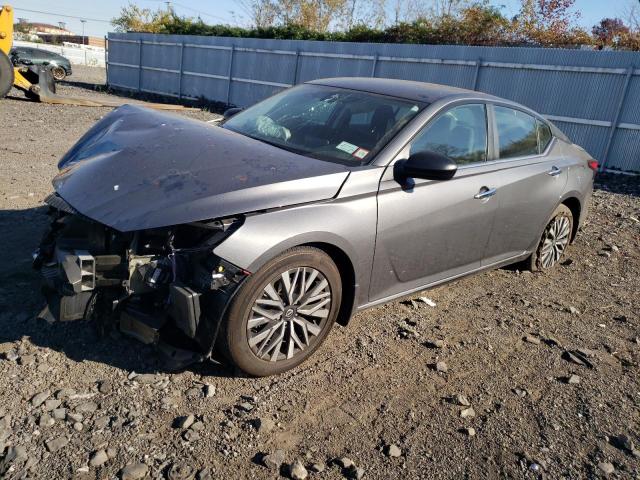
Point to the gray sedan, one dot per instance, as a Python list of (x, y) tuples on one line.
[(251, 239)]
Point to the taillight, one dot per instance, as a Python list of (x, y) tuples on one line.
[(593, 165)]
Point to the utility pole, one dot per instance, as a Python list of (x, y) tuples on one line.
[(83, 22)]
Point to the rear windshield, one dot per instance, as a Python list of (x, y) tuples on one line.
[(335, 124)]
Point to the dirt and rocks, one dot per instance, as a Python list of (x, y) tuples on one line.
[(506, 374)]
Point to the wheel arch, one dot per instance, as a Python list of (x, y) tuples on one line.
[(573, 203), (338, 249), (347, 274)]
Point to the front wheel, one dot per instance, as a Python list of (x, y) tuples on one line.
[(6, 74), (554, 241), (282, 313)]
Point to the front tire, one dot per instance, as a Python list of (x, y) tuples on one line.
[(282, 313), (554, 241), (6, 74)]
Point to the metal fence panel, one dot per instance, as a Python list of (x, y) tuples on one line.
[(594, 97), (631, 108), (592, 138), (625, 150)]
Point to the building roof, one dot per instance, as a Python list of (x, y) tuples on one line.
[(411, 90), (37, 25)]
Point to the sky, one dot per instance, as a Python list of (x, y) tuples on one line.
[(98, 13)]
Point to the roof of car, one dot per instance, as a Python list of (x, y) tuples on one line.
[(408, 89)]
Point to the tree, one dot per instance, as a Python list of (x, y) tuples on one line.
[(362, 13), (556, 15), (443, 8), (482, 24), (549, 23), (407, 11), (634, 15), (316, 15), (609, 31), (262, 13), (22, 27), (135, 19)]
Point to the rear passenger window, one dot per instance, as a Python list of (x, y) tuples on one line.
[(517, 133), (544, 136), (460, 134)]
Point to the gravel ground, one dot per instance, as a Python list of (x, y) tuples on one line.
[(511, 374)]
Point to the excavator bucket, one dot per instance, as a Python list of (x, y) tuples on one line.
[(45, 82)]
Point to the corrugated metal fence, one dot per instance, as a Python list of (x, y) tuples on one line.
[(594, 97)]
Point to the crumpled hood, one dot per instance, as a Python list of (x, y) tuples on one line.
[(138, 168)]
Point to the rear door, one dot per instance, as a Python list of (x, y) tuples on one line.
[(533, 175)]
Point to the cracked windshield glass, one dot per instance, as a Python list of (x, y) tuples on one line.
[(327, 123)]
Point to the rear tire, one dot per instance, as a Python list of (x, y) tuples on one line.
[(58, 73), (554, 241), (6, 74), (267, 330)]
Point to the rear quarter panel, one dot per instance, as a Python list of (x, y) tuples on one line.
[(580, 180)]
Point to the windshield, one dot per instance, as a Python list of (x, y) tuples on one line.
[(328, 123)]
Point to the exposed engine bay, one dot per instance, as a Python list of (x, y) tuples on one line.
[(163, 286)]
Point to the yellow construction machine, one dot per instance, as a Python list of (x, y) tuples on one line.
[(36, 81)]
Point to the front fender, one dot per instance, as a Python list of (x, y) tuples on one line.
[(347, 225)]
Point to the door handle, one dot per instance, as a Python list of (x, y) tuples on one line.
[(485, 193), (554, 172)]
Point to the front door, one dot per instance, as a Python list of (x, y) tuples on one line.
[(432, 230)]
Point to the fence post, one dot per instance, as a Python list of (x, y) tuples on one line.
[(180, 74), (139, 65), (616, 118), (106, 60), (476, 74), (375, 64), (295, 68), (233, 49)]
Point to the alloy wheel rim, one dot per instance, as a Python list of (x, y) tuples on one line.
[(58, 73), (289, 314), (555, 241)]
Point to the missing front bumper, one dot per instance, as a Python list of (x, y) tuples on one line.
[(163, 287)]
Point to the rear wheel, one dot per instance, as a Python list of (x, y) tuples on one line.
[(554, 241), (6, 74), (58, 73), (282, 313)]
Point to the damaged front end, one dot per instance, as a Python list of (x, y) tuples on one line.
[(163, 286)]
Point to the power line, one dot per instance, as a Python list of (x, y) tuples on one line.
[(61, 15), (199, 12)]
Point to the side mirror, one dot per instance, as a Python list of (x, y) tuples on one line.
[(230, 112), (427, 165)]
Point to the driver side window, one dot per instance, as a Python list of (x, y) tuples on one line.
[(459, 133)]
